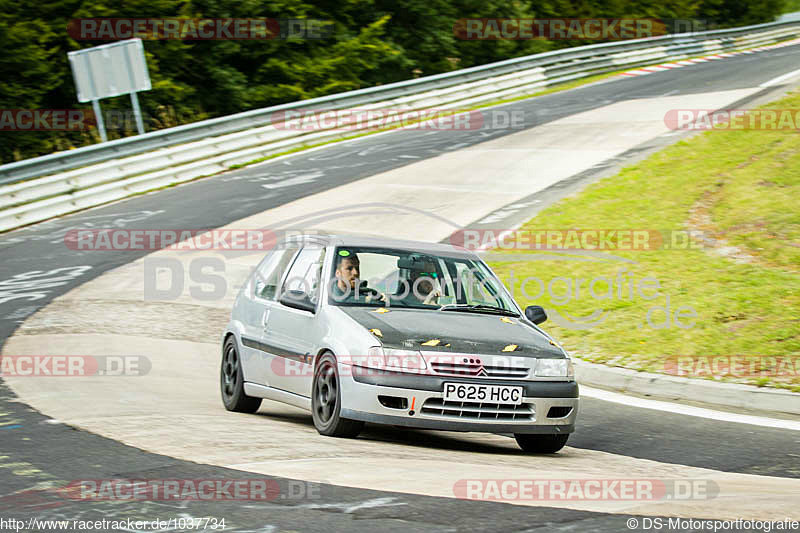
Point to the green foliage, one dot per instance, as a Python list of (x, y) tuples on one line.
[(790, 6), (374, 42)]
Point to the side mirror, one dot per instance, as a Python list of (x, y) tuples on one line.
[(535, 314), (297, 299)]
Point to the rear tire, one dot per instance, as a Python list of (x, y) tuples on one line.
[(533, 443), (231, 381), (326, 401)]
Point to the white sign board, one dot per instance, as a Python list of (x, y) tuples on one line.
[(110, 70)]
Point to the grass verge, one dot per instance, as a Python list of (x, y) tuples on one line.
[(741, 281)]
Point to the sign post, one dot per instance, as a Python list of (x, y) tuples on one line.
[(101, 125), (111, 70), (137, 113)]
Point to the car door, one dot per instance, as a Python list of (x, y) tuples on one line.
[(293, 334), (261, 299)]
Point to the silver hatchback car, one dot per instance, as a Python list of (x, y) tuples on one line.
[(364, 329)]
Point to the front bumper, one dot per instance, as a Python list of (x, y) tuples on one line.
[(548, 406)]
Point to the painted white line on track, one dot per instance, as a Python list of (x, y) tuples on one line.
[(781, 78), (688, 410)]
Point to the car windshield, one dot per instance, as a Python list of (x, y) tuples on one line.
[(400, 278)]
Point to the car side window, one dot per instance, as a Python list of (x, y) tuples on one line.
[(269, 274), (306, 272), (472, 288)]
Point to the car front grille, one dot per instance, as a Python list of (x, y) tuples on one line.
[(476, 411), (478, 369)]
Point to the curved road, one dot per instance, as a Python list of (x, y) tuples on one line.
[(166, 413)]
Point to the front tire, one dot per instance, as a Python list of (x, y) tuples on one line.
[(533, 443), (326, 401), (231, 381)]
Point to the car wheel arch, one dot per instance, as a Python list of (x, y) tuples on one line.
[(227, 336), (320, 353), (247, 368)]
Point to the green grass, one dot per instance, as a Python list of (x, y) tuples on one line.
[(790, 6), (741, 186)]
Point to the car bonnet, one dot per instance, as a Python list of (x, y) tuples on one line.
[(453, 332)]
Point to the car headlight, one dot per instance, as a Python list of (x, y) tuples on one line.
[(399, 360), (554, 368)]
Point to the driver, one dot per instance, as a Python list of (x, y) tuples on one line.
[(348, 286)]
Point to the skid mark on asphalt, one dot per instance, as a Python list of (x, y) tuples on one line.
[(348, 508)]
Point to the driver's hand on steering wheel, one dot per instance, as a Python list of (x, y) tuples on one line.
[(433, 297), (376, 295)]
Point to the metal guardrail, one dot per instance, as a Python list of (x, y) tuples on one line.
[(61, 161), (52, 185)]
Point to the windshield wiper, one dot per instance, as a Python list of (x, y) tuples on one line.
[(478, 308)]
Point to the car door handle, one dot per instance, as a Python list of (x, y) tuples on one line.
[(265, 318)]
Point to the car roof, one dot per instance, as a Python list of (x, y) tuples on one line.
[(356, 240)]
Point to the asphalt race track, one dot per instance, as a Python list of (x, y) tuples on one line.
[(386, 479)]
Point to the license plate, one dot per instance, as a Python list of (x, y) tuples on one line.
[(468, 392)]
